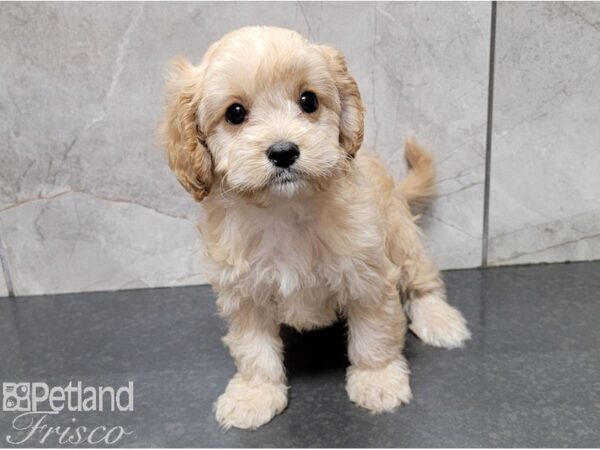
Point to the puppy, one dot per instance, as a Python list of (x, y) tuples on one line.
[(301, 228)]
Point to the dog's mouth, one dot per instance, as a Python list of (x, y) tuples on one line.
[(285, 176)]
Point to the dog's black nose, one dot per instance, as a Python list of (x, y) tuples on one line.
[(283, 154)]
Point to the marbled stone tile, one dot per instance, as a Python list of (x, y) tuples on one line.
[(544, 204), (80, 242), (84, 183)]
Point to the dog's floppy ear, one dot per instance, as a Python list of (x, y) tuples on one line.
[(352, 116), (186, 150)]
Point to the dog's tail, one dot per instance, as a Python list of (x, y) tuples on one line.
[(418, 186)]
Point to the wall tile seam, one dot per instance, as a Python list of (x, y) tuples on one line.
[(5, 270), (488, 139)]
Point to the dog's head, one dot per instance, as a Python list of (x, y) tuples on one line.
[(265, 112)]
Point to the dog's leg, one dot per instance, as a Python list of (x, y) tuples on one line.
[(433, 320), (378, 377), (258, 391)]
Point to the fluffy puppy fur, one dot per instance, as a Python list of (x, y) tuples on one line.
[(331, 235)]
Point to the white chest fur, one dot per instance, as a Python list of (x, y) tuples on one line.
[(296, 256), (279, 248)]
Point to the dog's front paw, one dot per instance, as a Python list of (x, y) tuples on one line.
[(382, 389), (437, 323), (248, 405)]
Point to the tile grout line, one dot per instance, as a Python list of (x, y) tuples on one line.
[(488, 140), (5, 271)]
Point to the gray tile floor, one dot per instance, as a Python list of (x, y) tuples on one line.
[(529, 377)]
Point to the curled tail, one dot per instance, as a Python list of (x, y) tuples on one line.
[(418, 186)]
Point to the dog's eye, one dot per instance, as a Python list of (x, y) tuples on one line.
[(309, 102), (235, 114)]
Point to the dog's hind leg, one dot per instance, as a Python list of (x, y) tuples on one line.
[(433, 320)]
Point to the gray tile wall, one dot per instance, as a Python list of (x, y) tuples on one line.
[(545, 177), (87, 202)]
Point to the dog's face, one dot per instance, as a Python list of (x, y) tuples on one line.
[(266, 113)]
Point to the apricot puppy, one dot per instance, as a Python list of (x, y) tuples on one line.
[(300, 228)]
